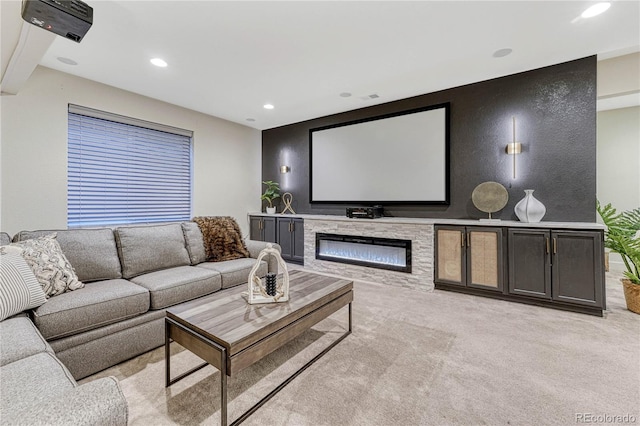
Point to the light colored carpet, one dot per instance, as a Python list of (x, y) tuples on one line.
[(417, 358)]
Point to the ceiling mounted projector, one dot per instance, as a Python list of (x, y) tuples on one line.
[(69, 18)]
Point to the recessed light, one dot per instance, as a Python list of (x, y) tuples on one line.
[(158, 62), (67, 61), (345, 94), (596, 9), (267, 106), (251, 119), (502, 53), (369, 97)]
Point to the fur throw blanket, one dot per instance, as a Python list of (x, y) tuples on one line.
[(222, 238)]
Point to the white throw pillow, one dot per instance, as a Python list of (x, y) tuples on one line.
[(19, 288), (49, 264)]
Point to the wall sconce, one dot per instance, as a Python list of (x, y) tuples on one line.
[(514, 148), (285, 169)]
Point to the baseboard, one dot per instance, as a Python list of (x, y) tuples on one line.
[(616, 266)]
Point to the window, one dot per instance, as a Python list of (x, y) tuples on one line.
[(122, 170)]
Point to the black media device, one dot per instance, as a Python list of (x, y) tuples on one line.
[(365, 212), (69, 18)]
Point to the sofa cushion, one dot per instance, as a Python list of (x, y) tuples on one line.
[(91, 252), (176, 285), (32, 381), (20, 339), (99, 402), (4, 238), (49, 264), (28, 235), (255, 247), (19, 288), (194, 241), (235, 272), (98, 304), (145, 249)]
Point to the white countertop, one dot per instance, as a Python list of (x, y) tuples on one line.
[(442, 221)]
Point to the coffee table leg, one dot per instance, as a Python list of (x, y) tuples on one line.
[(168, 323), (350, 316), (167, 362), (223, 387)]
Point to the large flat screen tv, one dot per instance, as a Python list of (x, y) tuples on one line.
[(400, 158)]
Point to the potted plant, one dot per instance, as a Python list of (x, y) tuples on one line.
[(623, 237), (271, 193)]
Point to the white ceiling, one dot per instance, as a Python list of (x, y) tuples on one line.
[(227, 59)]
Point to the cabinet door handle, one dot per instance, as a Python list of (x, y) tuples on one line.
[(290, 227), (547, 245), (461, 239), (555, 245), (468, 239)]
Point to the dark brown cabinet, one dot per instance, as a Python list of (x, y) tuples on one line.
[(530, 263), (563, 266), (469, 257), (577, 272), (291, 239), (551, 267), (288, 232), (262, 228)]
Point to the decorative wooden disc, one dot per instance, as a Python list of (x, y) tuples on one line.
[(490, 197)]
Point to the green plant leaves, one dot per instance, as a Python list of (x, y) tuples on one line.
[(272, 192), (622, 237)]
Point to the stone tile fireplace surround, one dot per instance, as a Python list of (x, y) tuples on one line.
[(420, 235)]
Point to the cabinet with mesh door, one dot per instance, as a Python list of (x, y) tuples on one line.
[(467, 256)]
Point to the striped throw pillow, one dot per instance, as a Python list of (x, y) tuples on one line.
[(19, 288)]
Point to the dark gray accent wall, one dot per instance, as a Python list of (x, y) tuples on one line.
[(555, 110)]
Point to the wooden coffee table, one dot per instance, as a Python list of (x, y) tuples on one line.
[(230, 334)]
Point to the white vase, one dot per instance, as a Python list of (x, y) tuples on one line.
[(271, 210), (530, 209)]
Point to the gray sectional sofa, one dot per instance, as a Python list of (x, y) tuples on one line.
[(131, 275), (37, 389)]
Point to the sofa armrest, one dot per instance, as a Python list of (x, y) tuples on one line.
[(96, 403), (255, 247)]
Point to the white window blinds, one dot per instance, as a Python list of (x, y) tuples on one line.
[(122, 170)]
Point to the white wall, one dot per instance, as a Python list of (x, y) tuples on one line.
[(618, 161), (619, 75), (618, 158), (33, 147)]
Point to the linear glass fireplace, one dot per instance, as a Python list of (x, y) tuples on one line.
[(374, 252)]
